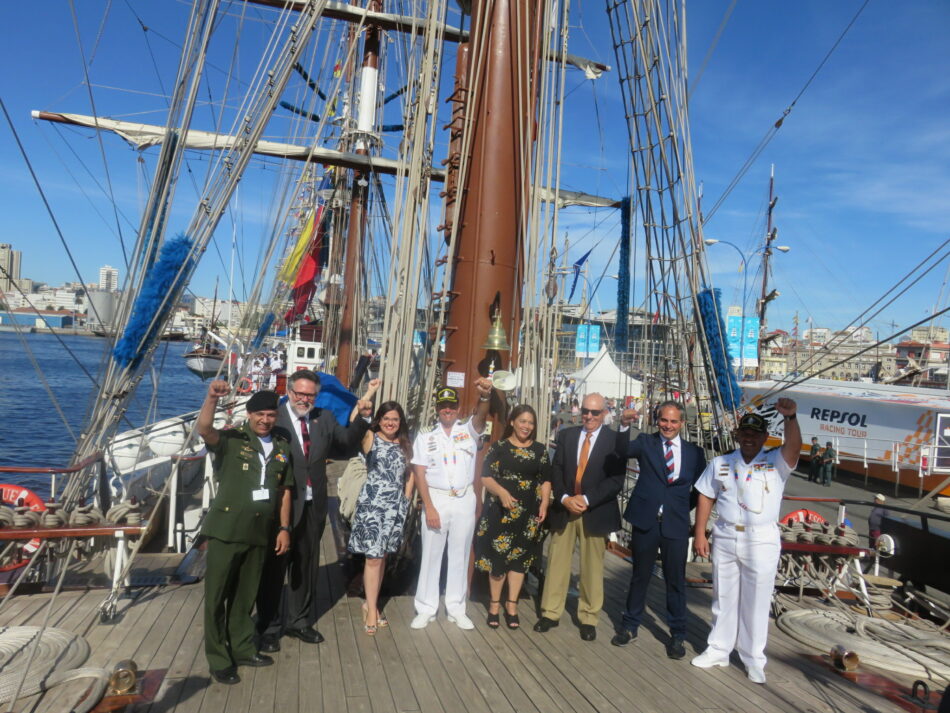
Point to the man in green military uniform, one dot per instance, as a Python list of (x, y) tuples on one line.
[(254, 477), (814, 461), (828, 464)]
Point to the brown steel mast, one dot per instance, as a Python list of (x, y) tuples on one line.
[(494, 73)]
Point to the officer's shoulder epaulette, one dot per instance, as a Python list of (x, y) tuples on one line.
[(773, 448), (281, 433), (235, 432)]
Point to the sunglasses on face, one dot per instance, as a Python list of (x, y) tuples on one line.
[(591, 411)]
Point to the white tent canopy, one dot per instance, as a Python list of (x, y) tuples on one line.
[(604, 377)]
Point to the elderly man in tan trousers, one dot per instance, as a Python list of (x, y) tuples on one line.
[(586, 476)]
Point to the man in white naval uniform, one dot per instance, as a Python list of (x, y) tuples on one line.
[(443, 464), (746, 487)]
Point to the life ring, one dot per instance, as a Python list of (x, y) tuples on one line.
[(245, 386), (15, 496), (803, 515)]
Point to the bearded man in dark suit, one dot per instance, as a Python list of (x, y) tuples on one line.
[(312, 432), (587, 474), (658, 510)]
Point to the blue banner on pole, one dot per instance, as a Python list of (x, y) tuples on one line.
[(749, 339), (587, 340)]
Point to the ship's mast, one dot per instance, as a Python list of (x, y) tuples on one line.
[(366, 122), (494, 103), (771, 232)]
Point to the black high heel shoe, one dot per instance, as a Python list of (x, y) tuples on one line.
[(492, 619), (512, 619)]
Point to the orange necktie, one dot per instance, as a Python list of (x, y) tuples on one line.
[(582, 464)]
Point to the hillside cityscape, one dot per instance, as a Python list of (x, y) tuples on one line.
[(853, 354)]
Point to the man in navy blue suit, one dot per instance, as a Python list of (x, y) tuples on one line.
[(658, 510)]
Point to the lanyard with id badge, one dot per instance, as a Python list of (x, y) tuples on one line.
[(752, 487), (263, 493)]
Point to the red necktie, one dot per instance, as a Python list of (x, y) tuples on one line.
[(305, 442), (305, 437)]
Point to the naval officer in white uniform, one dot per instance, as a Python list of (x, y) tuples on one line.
[(746, 487), (443, 464)]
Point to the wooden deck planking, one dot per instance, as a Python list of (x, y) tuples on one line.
[(425, 688), (501, 664), (788, 670), (441, 668), (577, 662), (394, 669), (502, 648)]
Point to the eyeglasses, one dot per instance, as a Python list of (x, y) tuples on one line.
[(591, 411), (302, 396)]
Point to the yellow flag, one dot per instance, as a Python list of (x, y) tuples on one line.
[(288, 272)]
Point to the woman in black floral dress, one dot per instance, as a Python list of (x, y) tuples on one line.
[(517, 475)]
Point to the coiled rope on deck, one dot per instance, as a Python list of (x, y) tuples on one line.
[(915, 649), (56, 660)]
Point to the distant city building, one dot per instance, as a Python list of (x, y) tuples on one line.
[(817, 335), (863, 335), (220, 312), (840, 360), (43, 319), (924, 335), (9, 267), (774, 363), (108, 278)]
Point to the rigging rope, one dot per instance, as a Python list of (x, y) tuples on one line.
[(833, 344), (650, 46), (784, 386), (712, 48), (223, 179), (102, 150), (39, 189), (770, 134)]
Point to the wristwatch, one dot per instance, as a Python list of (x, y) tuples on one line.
[(792, 417), (284, 528)]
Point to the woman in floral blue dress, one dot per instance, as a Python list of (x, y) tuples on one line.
[(382, 503), (517, 475)]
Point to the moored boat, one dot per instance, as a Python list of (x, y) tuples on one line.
[(895, 434)]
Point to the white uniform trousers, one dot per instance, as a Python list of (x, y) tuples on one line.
[(744, 566), (457, 517)]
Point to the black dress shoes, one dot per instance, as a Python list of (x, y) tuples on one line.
[(588, 632), (675, 648), (256, 660), (623, 637), (308, 636), (544, 625), (227, 676), (270, 644)]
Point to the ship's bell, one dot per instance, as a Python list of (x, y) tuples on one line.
[(497, 339)]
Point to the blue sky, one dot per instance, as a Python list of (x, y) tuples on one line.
[(862, 163)]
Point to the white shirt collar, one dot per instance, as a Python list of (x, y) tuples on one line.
[(593, 434)]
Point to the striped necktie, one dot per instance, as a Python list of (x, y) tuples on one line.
[(670, 466)]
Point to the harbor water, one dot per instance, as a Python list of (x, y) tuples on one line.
[(36, 369)]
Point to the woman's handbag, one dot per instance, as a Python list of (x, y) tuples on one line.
[(349, 485)]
